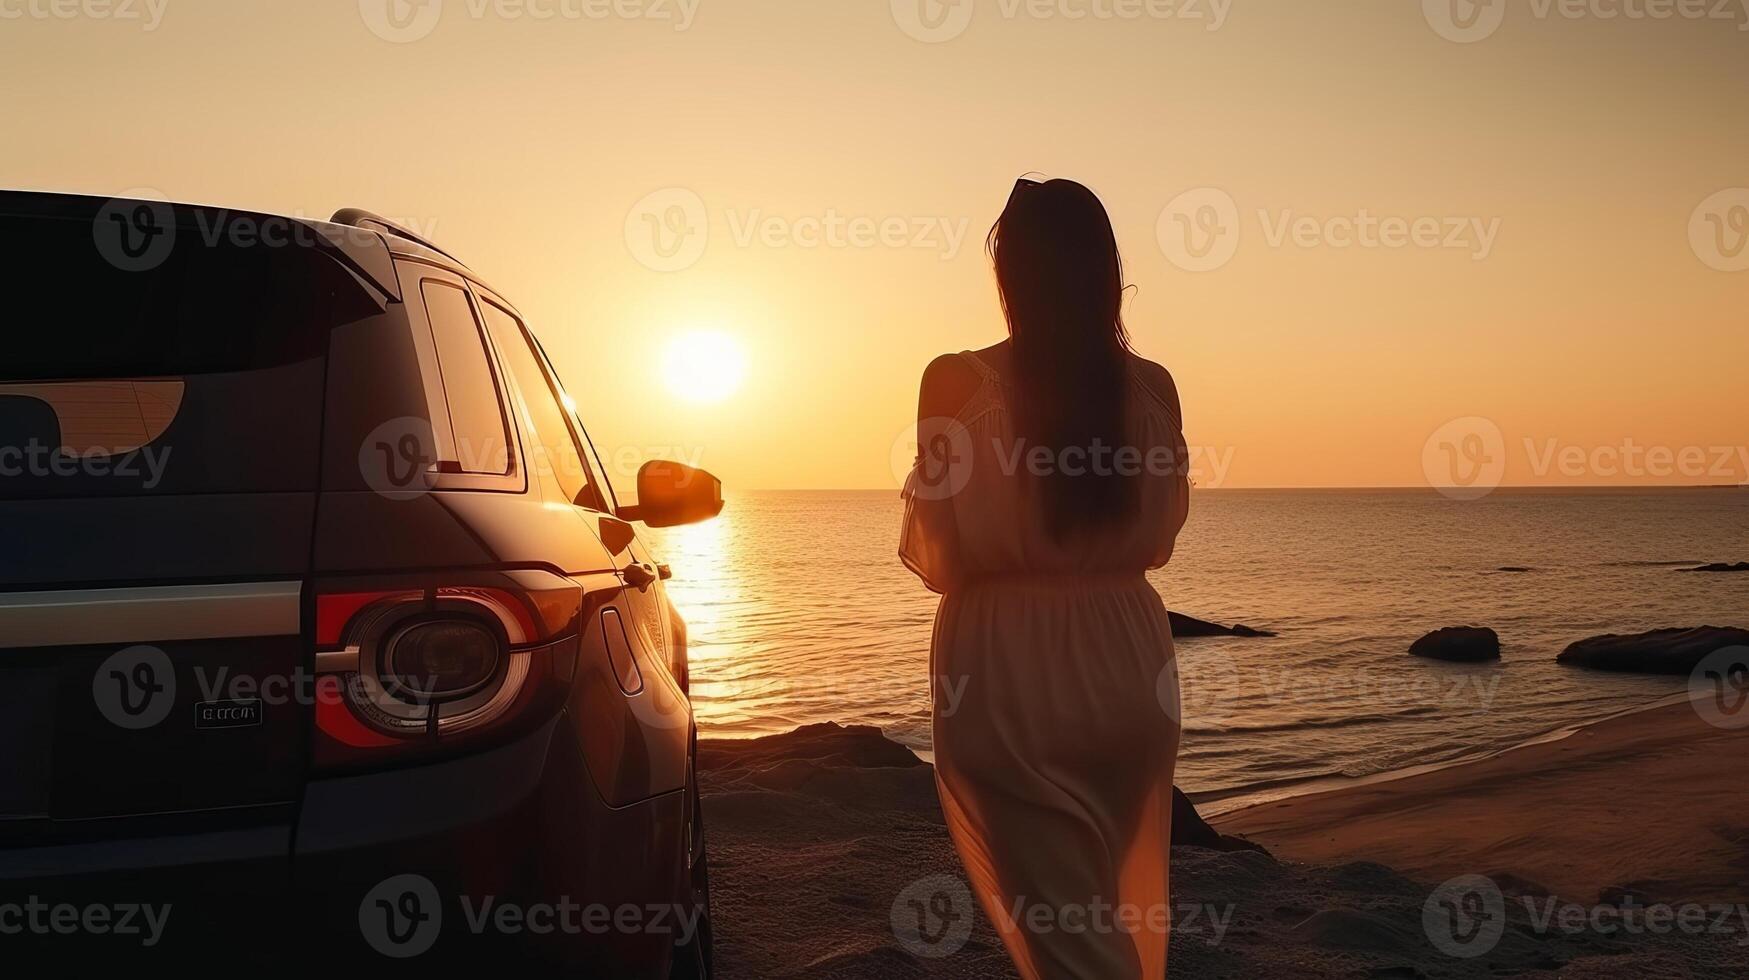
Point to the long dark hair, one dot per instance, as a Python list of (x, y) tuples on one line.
[(1062, 284)]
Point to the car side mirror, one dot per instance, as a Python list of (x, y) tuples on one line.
[(671, 494)]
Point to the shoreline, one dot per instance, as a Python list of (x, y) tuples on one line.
[(1222, 802), (1231, 800), (823, 839), (1640, 802)]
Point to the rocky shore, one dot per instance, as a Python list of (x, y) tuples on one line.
[(825, 841)]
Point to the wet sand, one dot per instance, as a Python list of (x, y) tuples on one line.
[(827, 842), (1655, 801)]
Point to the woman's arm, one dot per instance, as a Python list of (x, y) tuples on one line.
[(929, 540)]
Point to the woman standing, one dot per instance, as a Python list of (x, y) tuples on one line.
[(1050, 478)]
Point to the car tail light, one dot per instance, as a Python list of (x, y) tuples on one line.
[(442, 660), (404, 674)]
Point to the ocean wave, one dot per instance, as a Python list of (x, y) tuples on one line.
[(1311, 724)]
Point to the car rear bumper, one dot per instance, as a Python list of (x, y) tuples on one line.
[(520, 826)]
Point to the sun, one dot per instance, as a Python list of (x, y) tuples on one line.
[(704, 366)]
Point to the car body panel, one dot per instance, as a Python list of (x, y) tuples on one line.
[(591, 804)]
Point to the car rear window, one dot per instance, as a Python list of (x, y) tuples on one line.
[(482, 442), (201, 373)]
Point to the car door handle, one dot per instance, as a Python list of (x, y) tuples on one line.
[(639, 574)]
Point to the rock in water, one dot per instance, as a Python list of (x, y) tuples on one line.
[(1185, 627), (1459, 644), (1670, 651), (1719, 566)]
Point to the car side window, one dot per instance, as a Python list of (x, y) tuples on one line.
[(476, 415), (582, 435), (558, 450)]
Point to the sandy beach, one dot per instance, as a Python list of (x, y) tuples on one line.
[(830, 860), (1653, 802)]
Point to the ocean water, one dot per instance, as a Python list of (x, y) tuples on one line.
[(799, 612)]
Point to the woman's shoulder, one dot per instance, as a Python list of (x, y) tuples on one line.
[(1159, 382), (949, 383)]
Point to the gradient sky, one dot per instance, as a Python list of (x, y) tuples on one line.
[(526, 144)]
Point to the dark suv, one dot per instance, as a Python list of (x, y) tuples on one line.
[(322, 635)]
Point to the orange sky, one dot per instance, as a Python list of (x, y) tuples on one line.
[(835, 174)]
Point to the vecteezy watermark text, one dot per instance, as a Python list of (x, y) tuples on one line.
[(668, 230), (1466, 917), (1215, 688), (1200, 230), (1467, 458), (932, 917), (39, 460), (37, 917), (1469, 21), (406, 21), (936, 21), (149, 14), (402, 917), (935, 459), (138, 229)]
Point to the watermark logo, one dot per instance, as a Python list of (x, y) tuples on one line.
[(932, 916), (1465, 459), (1215, 692), (933, 460), (933, 21), (1465, 21), (668, 230), (402, 916), (135, 688), (1465, 917), (397, 457), (1719, 688), (401, 21), (1718, 231), (1199, 229), (1170, 693), (136, 230)]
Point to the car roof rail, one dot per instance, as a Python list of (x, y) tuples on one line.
[(360, 218)]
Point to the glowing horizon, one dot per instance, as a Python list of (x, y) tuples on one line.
[(1373, 249)]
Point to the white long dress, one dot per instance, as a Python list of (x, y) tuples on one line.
[(1056, 716)]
